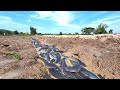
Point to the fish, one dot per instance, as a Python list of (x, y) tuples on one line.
[(45, 46), (42, 55), (43, 50), (49, 50), (56, 56), (35, 43), (53, 56), (88, 74), (52, 60), (46, 57), (73, 69), (74, 63), (48, 65), (55, 49), (67, 73), (61, 66), (56, 74)]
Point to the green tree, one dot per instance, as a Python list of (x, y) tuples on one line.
[(26, 33), (5, 32), (76, 33), (87, 30), (21, 33), (33, 31), (101, 29), (39, 33), (16, 32), (110, 31), (60, 33)]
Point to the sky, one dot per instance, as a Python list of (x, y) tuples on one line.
[(58, 21)]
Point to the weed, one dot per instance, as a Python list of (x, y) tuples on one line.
[(7, 53), (14, 55)]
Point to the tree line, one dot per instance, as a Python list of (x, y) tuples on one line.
[(100, 29)]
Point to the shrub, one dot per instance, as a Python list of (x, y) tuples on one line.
[(16, 56), (33, 31), (60, 33)]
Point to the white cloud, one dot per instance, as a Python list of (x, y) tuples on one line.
[(5, 18), (41, 14), (44, 14), (8, 23), (107, 20), (61, 18), (64, 19)]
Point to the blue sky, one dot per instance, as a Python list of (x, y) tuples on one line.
[(58, 21)]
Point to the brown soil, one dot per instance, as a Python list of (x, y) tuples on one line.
[(99, 53)]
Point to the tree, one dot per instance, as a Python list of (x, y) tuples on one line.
[(33, 31), (39, 33), (16, 32), (87, 30), (26, 33), (110, 31), (5, 32), (76, 33), (101, 29), (21, 33), (60, 33)]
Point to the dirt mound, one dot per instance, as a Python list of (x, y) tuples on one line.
[(99, 53)]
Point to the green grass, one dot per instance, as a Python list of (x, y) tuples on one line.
[(7, 53), (14, 55)]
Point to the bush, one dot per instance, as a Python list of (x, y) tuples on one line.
[(16, 32), (21, 33), (76, 33), (60, 33), (101, 29), (87, 30), (16, 56), (33, 31), (110, 31), (26, 33)]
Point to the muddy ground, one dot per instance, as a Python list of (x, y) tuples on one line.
[(99, 53)]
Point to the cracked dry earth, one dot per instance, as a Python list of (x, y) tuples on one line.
[(99, 53)]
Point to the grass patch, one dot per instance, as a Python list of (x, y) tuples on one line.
[(14, 55), (7, 53)]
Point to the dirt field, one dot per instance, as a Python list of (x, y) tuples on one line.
[(99, 53)]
